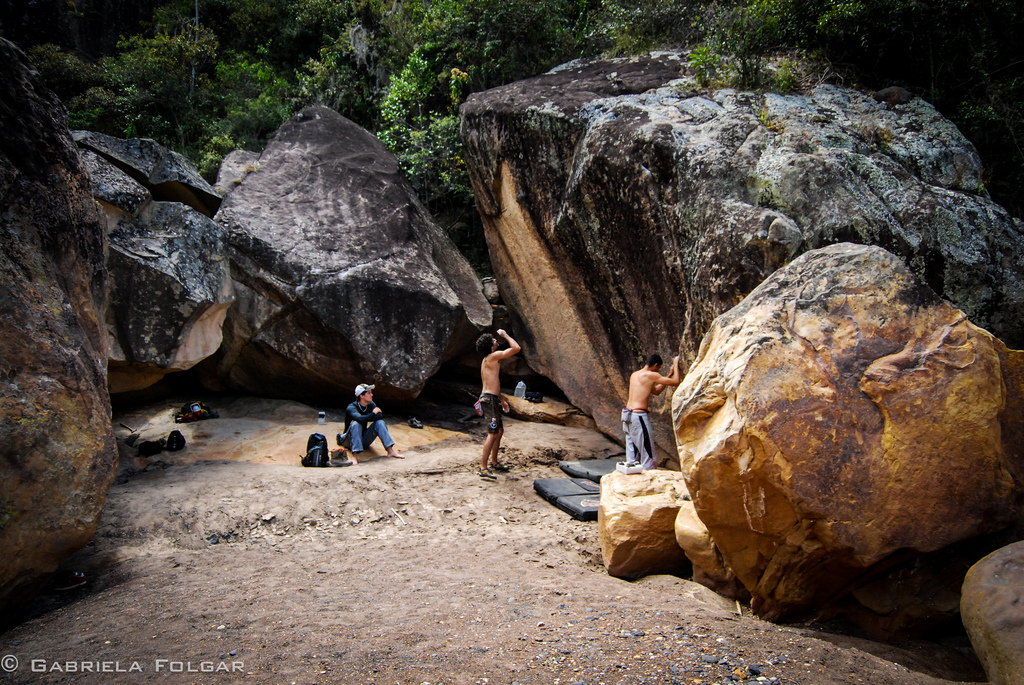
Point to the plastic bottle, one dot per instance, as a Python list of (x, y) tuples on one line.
[(521, 389)]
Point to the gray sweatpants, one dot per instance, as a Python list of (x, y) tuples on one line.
[(639, 445)]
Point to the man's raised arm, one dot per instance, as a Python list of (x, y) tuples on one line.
[(513, 346), (671, 379)]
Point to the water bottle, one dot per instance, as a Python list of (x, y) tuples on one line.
[(521, 389)]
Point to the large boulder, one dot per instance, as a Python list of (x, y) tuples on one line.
[(624, 209), (120, 195), (992, 607), (168, 176), (170, 292), (548, 411), (170, 281), (636, 523), (57, 453), (842, 421), (342, 276), (708, 567)]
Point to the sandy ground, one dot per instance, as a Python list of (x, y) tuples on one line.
[(227, 562)]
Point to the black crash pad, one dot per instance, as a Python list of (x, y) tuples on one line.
[(580, 507), (591, 469), (553, 488)]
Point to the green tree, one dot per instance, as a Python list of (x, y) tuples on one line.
[(66, 74), (253, 101), (622, 27)]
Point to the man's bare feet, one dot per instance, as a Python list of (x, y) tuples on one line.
[(395, 455)]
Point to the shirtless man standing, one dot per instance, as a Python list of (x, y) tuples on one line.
[(491, 403), (636, 424)]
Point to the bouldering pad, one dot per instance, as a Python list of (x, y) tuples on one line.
[(591, 469), (580, 507), (553, 488)]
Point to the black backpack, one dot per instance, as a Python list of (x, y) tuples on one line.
[(317, 453), (175, 441)]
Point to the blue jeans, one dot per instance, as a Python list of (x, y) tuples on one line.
[(360, 437)]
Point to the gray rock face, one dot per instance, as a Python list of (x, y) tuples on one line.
[(168, 176), (992, 607), (170, 281), (170, 291), (342, 276), (625, 209), (57, 453), (120, 194), (234, 168)]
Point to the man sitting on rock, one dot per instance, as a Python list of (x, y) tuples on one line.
[(636, 424), (365, 422)]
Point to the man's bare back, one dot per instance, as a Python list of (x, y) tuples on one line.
[(649, 381)]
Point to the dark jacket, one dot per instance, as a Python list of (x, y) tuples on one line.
[(362, 415)]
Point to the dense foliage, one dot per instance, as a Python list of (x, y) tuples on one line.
[(402, 69)]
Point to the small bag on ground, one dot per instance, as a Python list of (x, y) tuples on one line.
[(317, 453), (151, 448)]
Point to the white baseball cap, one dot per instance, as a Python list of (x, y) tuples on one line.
[(361, 388)]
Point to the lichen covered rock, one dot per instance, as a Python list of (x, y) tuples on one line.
[(843, 417), (57, 452), (170, 281), (625, 208), (170, 291), (170, 177), (341, 275)]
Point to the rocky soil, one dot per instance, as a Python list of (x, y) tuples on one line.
[(227, 562)]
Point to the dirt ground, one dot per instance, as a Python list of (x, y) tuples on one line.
[(227, 562)]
